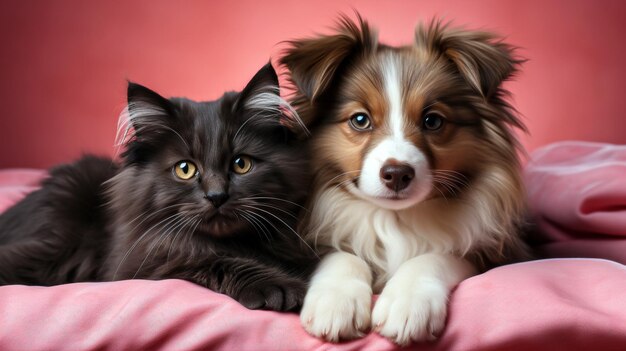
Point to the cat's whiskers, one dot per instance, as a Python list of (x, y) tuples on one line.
[(266, 205), (259, 219), (188, 235), (154, 213), (177, 217), (274, 198), (181, 219), (256, 224), (172, 217), (266, 231), (194, 221), (185, 223), (284, 223)]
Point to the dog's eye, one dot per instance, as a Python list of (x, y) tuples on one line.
[(185, 170), (432, 121), (360, 121), (242, 164)]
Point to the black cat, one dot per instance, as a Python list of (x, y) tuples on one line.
[(206, 191)]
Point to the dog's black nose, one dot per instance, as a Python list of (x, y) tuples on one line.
[(397, 176), (216, 198)]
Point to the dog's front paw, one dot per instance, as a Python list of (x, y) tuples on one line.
[(337, 312), (276, 295), (402, 314)]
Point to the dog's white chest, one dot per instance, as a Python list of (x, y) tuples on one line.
[(398, 242)]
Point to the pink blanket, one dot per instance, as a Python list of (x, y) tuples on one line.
[(543, 305), (577, 193)]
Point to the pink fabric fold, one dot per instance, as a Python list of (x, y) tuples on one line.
[(577, 193), (567, 304), (577, 196), (578, 189)]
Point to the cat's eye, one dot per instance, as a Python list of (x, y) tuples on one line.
[(432, 121), (242, 164), (185, 170), (360, 121)]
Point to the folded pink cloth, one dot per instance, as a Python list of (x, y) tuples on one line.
[(577, 195), (567, 304)]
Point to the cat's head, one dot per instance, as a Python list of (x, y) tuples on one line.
[(230, 166)]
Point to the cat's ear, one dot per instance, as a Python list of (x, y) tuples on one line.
[(147, 118), (148, 112), (264, 81), (261, 100)]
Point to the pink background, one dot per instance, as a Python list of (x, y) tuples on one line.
[(64, 63)]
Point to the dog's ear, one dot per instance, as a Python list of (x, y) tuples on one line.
[(482, 58), (313, 62)]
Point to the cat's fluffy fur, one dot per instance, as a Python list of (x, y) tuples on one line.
[(234, 233), (417, 178)]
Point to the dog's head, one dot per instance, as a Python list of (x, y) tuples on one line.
[(398, 125)]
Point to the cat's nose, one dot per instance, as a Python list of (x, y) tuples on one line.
[(216, 198)]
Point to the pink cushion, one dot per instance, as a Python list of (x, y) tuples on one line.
[(563, 304), (577, 192)]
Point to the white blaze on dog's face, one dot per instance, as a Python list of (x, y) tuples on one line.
[(395, 172)]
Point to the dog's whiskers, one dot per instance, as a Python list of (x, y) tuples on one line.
[(342, 184), (450, 183), (340, 175)]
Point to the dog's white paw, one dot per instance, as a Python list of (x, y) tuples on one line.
[(337, 312), (404, 313)]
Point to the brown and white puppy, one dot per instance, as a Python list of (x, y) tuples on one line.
[(417, 180)]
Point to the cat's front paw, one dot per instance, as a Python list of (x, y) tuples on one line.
[(402, 314), (337, 312), (274, 295)]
